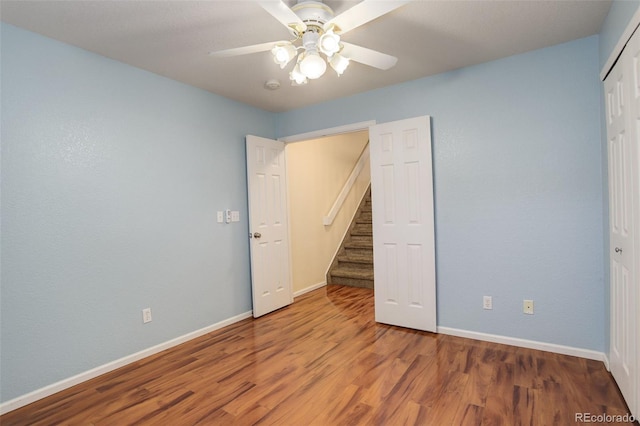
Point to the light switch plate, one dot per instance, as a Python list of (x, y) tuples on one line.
[(235, 216), (487, 302), (220, 217), (146, 315)]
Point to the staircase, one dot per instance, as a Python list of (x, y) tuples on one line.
[(353, 265)]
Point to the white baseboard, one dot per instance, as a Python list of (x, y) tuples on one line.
[(524, 343), (310, 288), (95, 372), (605, 359), (30, 397)]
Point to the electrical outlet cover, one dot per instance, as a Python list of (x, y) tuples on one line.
[(487, 302)]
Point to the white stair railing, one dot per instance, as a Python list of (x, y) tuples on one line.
[(342, 196)]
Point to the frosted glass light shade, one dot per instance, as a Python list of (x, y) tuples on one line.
[(283, 54), (339, 63), (312, 65), (329, 43), (296, 76)]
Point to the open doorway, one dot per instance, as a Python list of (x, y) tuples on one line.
[(321, 172), (403, 220)]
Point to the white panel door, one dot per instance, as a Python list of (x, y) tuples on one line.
[(633, 65), (268, 225), (403, 227), (622, 91)]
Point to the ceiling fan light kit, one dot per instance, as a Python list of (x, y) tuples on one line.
[(312, 65), (283, 53), (339, 63), (313, 25), (329, 43), (314, 40), (296, 76)]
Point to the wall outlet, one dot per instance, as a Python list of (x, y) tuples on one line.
[(527, 307), (487, 302), (146, 315)]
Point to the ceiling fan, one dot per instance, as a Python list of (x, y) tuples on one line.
[(316, 30)]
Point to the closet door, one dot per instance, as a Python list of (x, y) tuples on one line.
[(622, 91)]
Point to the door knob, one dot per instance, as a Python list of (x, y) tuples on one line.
[(618, 250), (257, 235)]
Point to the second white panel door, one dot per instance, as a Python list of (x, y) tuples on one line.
[(403, 223)]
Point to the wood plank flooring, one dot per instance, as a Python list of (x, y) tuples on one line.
[(324, 361)]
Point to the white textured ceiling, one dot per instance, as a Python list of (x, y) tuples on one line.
[(173, 38)]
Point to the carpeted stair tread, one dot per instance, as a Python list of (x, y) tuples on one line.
[(358, 252), (357, 257), (349, 272), (354, 266), (353, 282), (362, 229), (358, 244)]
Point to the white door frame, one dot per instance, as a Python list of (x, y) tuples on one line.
[(332, 131), (301, 137), (365, 125)]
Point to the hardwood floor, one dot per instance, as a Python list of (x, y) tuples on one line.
[(324, 361)]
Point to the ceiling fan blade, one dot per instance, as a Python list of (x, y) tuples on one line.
[(287, 17), (246, 50), (373, 58), (363, 12)]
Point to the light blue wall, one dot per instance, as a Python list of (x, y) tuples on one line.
[(111, 178), (518, 188)]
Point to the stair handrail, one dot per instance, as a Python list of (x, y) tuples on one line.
[(351, 180)]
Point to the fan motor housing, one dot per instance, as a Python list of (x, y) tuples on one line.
[(313, 13)]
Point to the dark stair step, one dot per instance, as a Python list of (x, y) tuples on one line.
[(361, 238), (350, 272), (357, 269), (359, 244), (362, 252), (360, 256), (352, 282), (362, 229)]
